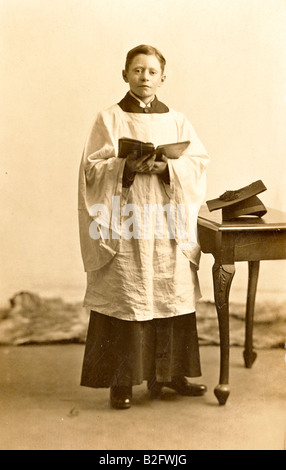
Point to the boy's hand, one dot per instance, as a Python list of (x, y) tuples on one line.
[(160, 167), (143, 164)]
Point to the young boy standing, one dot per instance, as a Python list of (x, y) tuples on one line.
[(142, 283)]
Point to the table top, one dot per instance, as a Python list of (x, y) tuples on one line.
[(273, 220)]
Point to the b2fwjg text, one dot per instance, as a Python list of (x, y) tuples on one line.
[(146, 459)]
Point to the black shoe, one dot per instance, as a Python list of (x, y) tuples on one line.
[(185, 388), (120, 397)]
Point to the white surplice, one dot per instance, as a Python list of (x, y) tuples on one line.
[(146, 276)]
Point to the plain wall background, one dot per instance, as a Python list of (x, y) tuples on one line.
[(61, 62)]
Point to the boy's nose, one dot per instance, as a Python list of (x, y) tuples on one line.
[(145, 76)]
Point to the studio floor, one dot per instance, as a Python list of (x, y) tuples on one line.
[(43, 408)]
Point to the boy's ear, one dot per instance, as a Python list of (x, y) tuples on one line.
[(163, 78), (124, 75)]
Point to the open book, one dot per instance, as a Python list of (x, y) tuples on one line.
[(127, 146)]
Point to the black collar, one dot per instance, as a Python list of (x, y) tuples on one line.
[(129, 104)]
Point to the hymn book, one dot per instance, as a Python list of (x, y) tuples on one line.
[(127, 146)]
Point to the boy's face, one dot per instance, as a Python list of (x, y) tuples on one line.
[(144, 76)]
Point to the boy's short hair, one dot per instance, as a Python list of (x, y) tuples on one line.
[(148, 50)]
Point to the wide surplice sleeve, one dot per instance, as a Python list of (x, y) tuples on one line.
[(100, 180), (188, 184)]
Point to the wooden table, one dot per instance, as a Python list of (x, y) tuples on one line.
[(245, 239)]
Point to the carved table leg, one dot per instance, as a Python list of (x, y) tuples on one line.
[(249, 354), (222, 277)]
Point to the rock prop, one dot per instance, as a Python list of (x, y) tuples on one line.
[(32, 319)]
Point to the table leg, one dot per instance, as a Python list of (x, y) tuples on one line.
[(222, 277), (248, 354)]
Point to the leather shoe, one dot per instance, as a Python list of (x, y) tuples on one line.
[(185, 388), (120, 397)]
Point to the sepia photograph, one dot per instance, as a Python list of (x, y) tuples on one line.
[(143, 227)]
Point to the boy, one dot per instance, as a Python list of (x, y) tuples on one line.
[(142, 284)]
